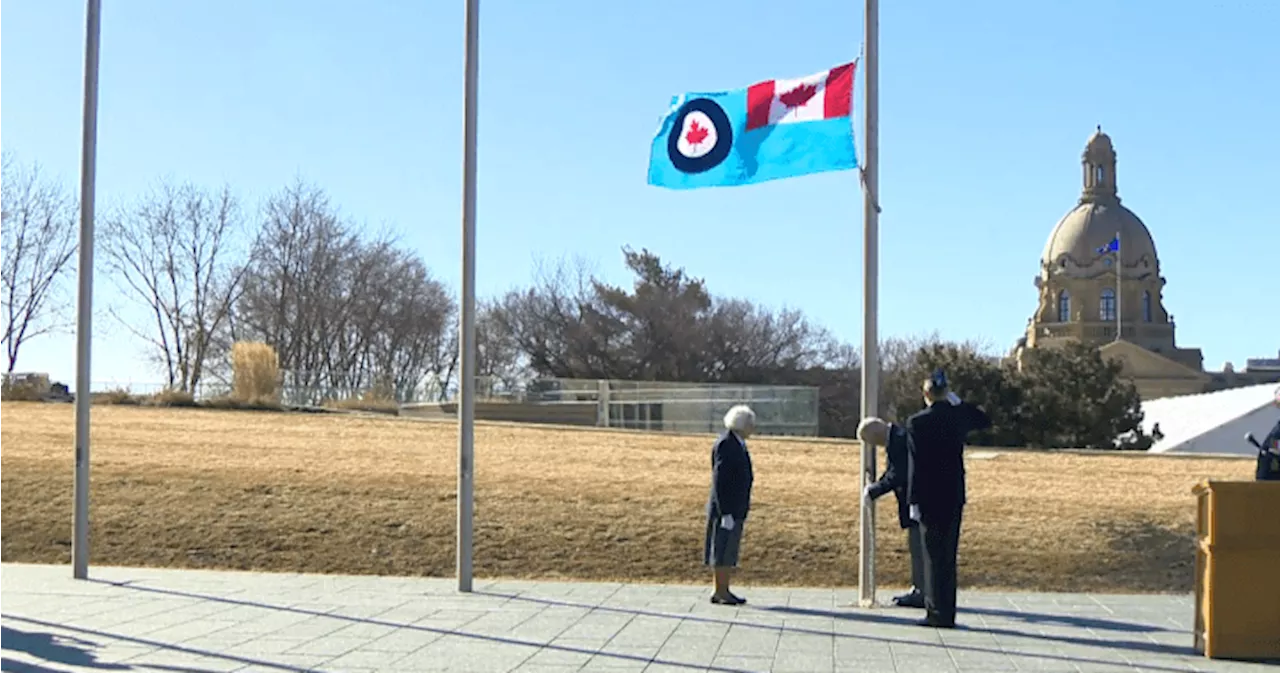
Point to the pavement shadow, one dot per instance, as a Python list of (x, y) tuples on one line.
[(1132, 645), (1069, 620), (617, 656), (881, 618), (53, 649), (7, 664), (625, 658), (31, 643)]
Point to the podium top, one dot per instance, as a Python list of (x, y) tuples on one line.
[(1232, 485), (1239, 514)]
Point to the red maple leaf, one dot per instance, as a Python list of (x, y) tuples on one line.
[(799, 95), (696, 134)]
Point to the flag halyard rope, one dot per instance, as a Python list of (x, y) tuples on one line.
[(862, 171)]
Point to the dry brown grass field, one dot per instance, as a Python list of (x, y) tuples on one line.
[(375, 495)]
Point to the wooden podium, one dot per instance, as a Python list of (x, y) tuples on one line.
[(1238, 569)]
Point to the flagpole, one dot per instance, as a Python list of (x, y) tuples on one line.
[(870, 291), (1119, 264), (467, 326), (84, 315)]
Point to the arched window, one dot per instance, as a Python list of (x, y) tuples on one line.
[(1107, 306), (1098, 173), (1064, 306), (1146, 306)]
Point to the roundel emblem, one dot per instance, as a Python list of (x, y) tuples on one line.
[(700, 138)]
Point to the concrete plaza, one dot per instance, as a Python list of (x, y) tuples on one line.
[(127, 619)]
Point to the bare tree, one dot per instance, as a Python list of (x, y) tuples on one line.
[(409, 335), (178, 252), (294, 296), (39, 225), (444, 358), (498, 356), (746, 343), (557, 325), (345, 313)]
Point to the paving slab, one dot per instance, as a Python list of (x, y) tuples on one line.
[(130, 619)]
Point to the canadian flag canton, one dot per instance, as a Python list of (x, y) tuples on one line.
[(824, 95)]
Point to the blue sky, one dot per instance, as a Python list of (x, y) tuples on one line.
[(985, 107)]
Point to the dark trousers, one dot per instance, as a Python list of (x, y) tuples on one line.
[(915, 544), (940, 531)]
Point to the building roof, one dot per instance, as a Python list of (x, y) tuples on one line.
[(1145, 363), (1090, 226), (1185, 418), (1099, 216), (1099, 147)]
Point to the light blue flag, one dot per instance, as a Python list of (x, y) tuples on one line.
[(768, 131)]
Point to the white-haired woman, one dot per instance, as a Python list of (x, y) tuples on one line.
[(731, 478)]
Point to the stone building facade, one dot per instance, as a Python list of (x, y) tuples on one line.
[(1087, 290)]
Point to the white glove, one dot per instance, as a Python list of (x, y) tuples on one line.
[(726, 522), (914, 513), (866, 491), (953, 398)]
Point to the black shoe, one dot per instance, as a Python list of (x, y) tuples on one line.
[(730, 600), (935, 624), (914, 599), (738, 600)]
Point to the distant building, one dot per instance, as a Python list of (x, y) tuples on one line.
[(1256, 371), (1263, 365), (1084, 288)]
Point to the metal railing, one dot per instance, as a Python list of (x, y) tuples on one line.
[(643, 405), (670, 406)]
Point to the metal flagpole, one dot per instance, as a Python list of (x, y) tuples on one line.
[(467, 327), (870, 289), (84, 315), (1119, 263)]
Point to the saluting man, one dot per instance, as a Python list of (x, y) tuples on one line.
[(936, 490)]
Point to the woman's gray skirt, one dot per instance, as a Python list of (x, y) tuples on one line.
[(720, 549)]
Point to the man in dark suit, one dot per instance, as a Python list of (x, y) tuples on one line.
[(1269, 453), (729, 502), (936, 490), (894, 438)]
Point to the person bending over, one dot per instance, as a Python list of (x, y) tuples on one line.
[(894, 438)]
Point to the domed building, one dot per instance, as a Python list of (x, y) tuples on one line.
[(1100, 283)]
